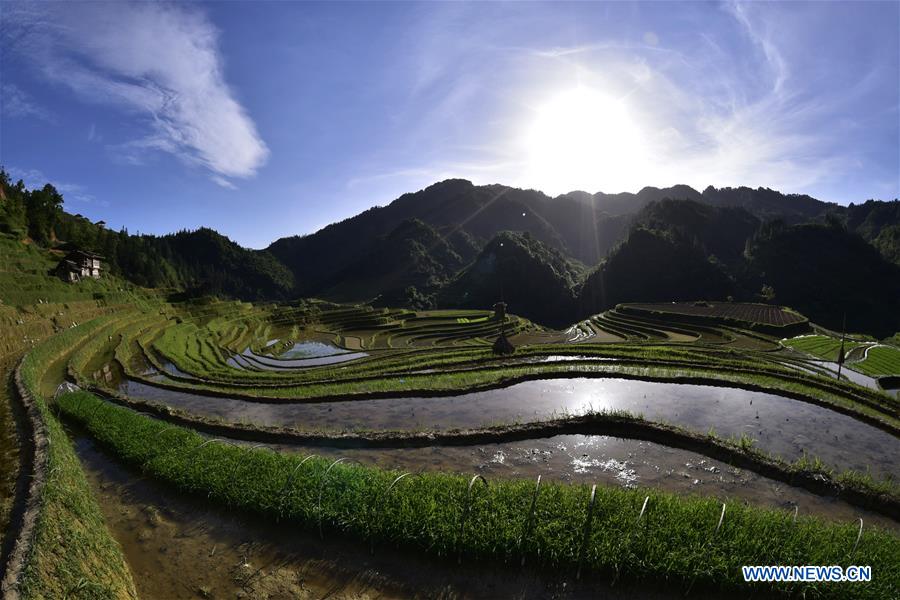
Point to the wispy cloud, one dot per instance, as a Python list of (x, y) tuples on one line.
[(158, 61), (16, 103), (32, 178), (762, 39), (713, 116), (72, 192), (725, 98), (222, 182)]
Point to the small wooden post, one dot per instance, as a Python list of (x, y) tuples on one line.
[(587, 530), (840, 357)]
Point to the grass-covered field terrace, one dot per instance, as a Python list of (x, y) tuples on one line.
[(256, 353), (742, 312), (867, 357)]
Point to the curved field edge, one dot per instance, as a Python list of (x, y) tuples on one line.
[(676, 540), (67, 550), (857, 488)]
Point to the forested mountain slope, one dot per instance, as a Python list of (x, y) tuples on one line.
[(553, 259)]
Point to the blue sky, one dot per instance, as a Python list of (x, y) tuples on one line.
[(271, 119)]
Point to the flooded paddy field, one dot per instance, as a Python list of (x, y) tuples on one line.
[(309, 349), (847, 373), (248, 359), (780, 426), (181, 548), (300, 355)]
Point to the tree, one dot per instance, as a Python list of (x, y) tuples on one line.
[(43, 208), (12, 208)]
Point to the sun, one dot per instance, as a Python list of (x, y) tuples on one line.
[(582, 139)]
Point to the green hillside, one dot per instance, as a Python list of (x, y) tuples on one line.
[(535, 280), (439, 248)]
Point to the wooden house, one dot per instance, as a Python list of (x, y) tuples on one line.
[(78, 265)]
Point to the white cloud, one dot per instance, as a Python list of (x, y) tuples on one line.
[(32, 178), (222, 182), (15, 103), (159, 61)]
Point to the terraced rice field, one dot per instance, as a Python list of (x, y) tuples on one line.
[(763, 314), (631, 322), (871, 359), (880, 361), (403, 431), (821, 346)]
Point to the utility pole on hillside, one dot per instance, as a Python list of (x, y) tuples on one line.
[(840, 357)]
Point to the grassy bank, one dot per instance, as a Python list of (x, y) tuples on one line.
[(72, 553), (676, 540)]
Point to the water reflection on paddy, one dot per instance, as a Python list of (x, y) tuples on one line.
[(779, 425)]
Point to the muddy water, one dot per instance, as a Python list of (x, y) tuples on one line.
[(780, 425), (181, 548), (607, 460)]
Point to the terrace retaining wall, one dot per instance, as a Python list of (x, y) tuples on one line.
[(35, 444)]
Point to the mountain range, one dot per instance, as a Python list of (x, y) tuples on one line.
[(452, 244), (583, 226), (552, 259)]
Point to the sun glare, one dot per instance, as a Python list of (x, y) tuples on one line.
[(583, 139)]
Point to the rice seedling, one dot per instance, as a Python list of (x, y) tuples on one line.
[(681, 539)]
